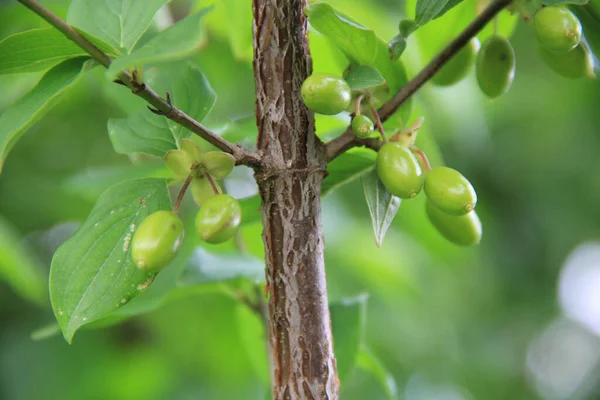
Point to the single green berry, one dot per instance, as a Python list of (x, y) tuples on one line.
[(326, 93), (459, 65), (575, 64), (362, 126), (218, 219), (495, 66), (464, 230), (450, 191), (557, 29), (156, 241), (399, 170)]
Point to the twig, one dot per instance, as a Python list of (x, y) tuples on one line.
[(347, 140), (182, 193), (140, 89)]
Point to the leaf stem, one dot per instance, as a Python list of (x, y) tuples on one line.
[(378, 122), (347, 140), (182, 193), (140, 89)]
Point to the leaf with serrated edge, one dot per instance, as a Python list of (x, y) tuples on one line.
[(120, 23), (30, 108), (383, 206), (40, 49), (363, 77), (175, 43), (347, 324), (153, 134), (93, 272)]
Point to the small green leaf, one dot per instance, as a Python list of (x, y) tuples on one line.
[(367, 361), (555, 2), (175, 43), (347, 323), (39, 49), (120, 23), (363, 77), (30, 108), (218, 164), (93, 274), (347, 167), (205, 267), (383, 206), (430, 9), (145, 132), (202, 190), (19, 268)]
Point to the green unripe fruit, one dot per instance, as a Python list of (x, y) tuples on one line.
[(577, 63), (450, 191), (156, 241), (399, 170), (495, 66), (326, 93), (218, 219), (557, 29), (459, 65), (362, 126), (464, 230)]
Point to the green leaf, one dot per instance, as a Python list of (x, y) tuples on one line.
[(363, 77), (205, 267), (145, 132), (430, 9), (30, 108), (175, 43), (92, 273), (347, 323), (347, 167), (19, 268), (383, 206), (555, 2), (39, 49), (250, 209), (120, 23), (240, 29), (367, 361)]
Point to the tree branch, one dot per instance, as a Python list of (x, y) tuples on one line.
[(140, 89), (348, 140)]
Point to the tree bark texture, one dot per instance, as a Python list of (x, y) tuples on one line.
[(302, 360)]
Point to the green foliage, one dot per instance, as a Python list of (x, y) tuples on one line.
[(175, 43), (15, 120), (120, 23), (93, 273), (144, 132), (40, 49), (383, 206), (348, 319), (430, 9), (363, 77)]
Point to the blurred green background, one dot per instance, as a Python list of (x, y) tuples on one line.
[(517, 317)]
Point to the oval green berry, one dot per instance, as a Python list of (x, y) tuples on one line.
[(218, 219), (326, 93), (464, 230), (458, 67), (557, 29), (450, 191), (156, 241), (495, 66), (399, 170), (575, 64), (362, 126)]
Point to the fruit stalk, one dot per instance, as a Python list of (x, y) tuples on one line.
[(181, 194), (302, 360)]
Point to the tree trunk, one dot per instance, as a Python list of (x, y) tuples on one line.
[(302, 361)]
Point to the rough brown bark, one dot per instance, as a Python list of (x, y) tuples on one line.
[(302, 360)]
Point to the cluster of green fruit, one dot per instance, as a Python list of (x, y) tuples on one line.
[(451, 198), (559, 34), (160, 235)]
